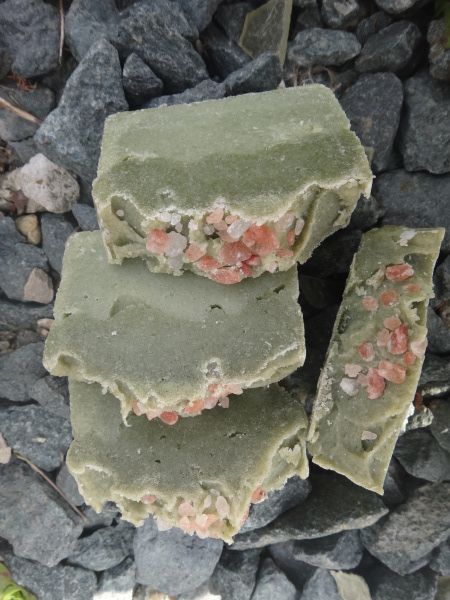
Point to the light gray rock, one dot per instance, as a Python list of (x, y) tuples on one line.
[(33, 518), (235, 574), (405, 538), (297, 571), (272, 584), (321, 586), (367, 213), (425, 129), (325, 47), (231, 18), (87, 21), (105, 548), (19, 371), (397, 6), (171, 561), (435, 377)]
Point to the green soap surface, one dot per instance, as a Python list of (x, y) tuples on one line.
[(353, 434), (351, 586), (256, 155), (163, 340), (258, 442)]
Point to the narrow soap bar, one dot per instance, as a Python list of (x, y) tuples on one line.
[(375, 355), (166, 345), (201, 475), (229, 188)]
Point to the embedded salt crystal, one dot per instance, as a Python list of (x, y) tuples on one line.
[(208, 229), (383, 337), (237, 229), (366, 351), (398, 340), (120, 213), (393, 372), (299, 226), (392, 323), (177, 243), (376, 279), (222, 506), (368, 435), (207, 502), (389, 297), (185, 509), (175, 218), (178, 227), (375, 384), (405, 236), (148, 499), (399, 272), (215, 216), (193, 225), (349, 386), (176, 262), (370, 303), (285, 222), (165, 217), (352, 370), (418, 347)]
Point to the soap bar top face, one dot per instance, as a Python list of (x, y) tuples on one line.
[(200, 475), (169, 346), (375, 355), (229, 188)]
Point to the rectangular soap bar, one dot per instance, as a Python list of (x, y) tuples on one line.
[(375, 355), (229, 188), (200, 475), (169, 346)]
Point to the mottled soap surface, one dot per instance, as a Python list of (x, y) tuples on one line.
[(375, 355), (259, 156), (255, 445), (162, 340)]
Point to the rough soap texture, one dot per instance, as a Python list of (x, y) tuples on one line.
[(167, 342), (375, 355), (214, 173), (213, 466)]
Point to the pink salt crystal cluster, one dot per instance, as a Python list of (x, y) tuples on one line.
[(224, 247), (391, 352), (217, 395)]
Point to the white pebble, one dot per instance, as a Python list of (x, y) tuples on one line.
[(349, 386)]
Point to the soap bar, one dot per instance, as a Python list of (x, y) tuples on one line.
[(201, 475), (375, 355), (169, 346), (229, 188)]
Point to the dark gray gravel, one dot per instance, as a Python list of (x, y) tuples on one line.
[(385, 584), (371, 25), (19, 371), (421, 456), (260, 75), (16, 316), (52, 394), (67, 484), (223, 55), (206, 90), (272, 584), (105, 548), (39, 102), (322, 47), (86, 216), (339, 551), (235, 575), (139, 81), (56, 229)]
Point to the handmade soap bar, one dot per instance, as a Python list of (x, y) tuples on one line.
[(201, 475), (165, 345), (375, 355), (229, 188)]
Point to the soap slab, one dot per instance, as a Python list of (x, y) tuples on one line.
[(169, 346), (375, 355), (201, 475), (229, 188)]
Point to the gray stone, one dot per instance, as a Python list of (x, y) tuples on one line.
[(438, 333), (310, 16), (117, 583), (415, 200), (87, 21), (19, 371), (52, 394), (421, 456), (397, 6), (294, 492), (440, 426), (139, 81), (441, 559), (206, 90), (324, 47), (57, 79), (384, 584), (231, 18), (33, 518), (14, 316), (38, 102), (69, 486), (55, 231), (297, 571), (340, 14), (37, 434), (272, 584), (367, 213), (56, 583), (171, 561), (104, 518), (235, 574), (5, 60), (223, 55), (335, 254), (393, 485), (200, 12), (339, 551), (442, 279), (439, 53), (160, 34), (321, 586), (104, 549), (335, 505), (25, 149), (373, 105), (17, 260), (394, 48), (71, 134), (404, 539), (86, 216), (260, 75), (425, 129), (371, 25), (30, 29), (435, 377)]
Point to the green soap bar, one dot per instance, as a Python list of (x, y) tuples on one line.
[(229, 188), (267, 29), (375, 355), (170, 344), (216, 465)]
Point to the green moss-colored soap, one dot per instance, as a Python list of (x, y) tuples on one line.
[(375, 355), (229, 188), (166, 344), (200, 475)]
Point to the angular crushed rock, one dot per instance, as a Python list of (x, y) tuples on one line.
[(385, 584), (38, 102), (15, 316), (439, 54), (200, 12), (55, 231), (222, 54), (86, 216), (440, 426), (19, 371), (52, 394), (235, 574), (325, 47), (105, 548), (421, 456), (33, 518), (139, 81), (206, 90), (68, 486), (260, 75), (339, 551), (87, 21), (117, 583), (272, 584)]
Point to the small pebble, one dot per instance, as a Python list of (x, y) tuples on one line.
[(28, 225)]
